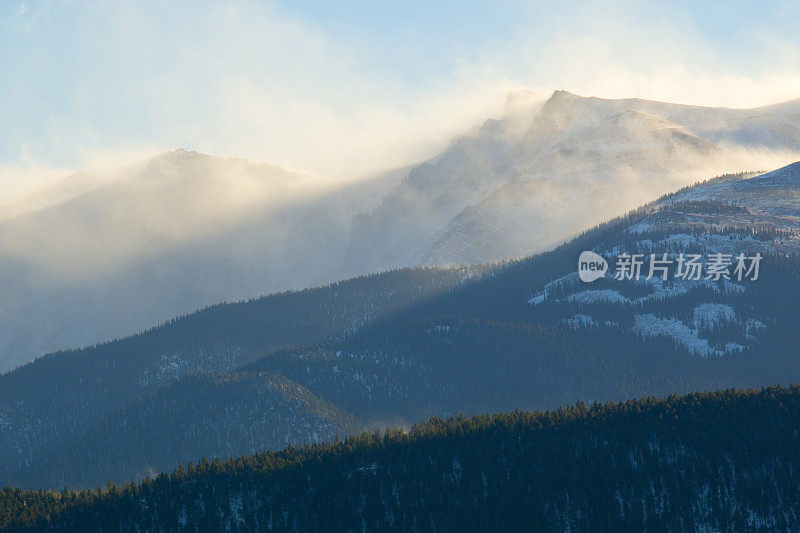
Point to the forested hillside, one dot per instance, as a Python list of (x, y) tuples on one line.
[(61, 399), (721, 461), (397, 348)]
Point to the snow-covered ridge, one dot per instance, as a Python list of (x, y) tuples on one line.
[(742, 214)]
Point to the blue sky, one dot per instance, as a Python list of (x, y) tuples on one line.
[(344, 88)]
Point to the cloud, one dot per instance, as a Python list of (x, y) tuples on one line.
[(268, 83), (26, 176), (655, 51)]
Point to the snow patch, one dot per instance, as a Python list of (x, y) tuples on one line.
[(597, 296), (580, 321), (651, 326), (711, 315)]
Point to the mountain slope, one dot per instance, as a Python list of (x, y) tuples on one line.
[(56, 400), (203, 414), (102, 258), (436, 191), (188, 230), (723, 461), (401, 347), (580, 162)]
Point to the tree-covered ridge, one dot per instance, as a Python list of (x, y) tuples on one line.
[(727, 460), (215, 414), (400, 347), (59, 399)]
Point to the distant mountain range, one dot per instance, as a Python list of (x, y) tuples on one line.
[(94, 259), (402, 346)]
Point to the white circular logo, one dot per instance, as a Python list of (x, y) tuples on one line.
[(591, 266)]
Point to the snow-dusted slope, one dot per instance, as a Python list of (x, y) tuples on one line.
[(733, 215), (772, 127), (579, 162), (432, 194)]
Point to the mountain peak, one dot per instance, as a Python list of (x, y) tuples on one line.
[(560, 95), (171, 162), (182, 154), (561, 100)]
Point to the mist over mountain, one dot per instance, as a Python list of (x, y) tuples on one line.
[(505, 193), (92, 259), (187, 231), (61, 191)]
